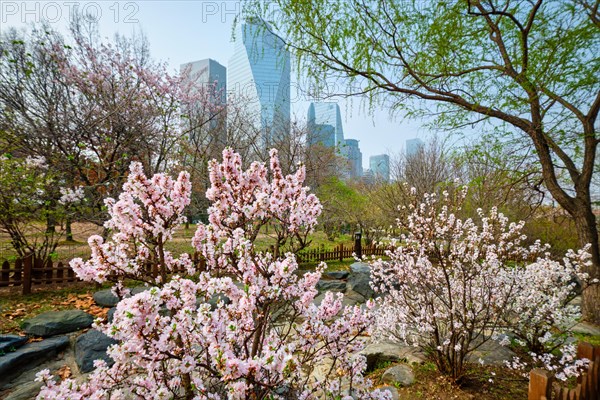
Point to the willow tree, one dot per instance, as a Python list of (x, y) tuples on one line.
[(527, 67)]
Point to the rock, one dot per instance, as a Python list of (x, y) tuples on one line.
[(57, 322), (28, 356), (361, 283), (360, 268), (377, 353), (111, 314), (400, 374), (337, 274), (392, 390), (92, 346), (10, 343), (318, 299), (352, 298), (492, 353), (105, 298), (586, 329), (331, 286), (139, 289), (26, 391)]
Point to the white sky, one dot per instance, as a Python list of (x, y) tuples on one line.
[(183, 31)]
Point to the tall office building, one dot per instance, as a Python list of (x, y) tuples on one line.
[(258, 74), (210, 78), (207, 75), (380, 167), (413, 146), (325, 124), (354, 156)]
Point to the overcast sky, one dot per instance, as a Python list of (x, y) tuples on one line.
[(183, 31)]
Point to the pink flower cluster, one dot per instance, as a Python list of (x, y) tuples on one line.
[(246, 327), (453, 284), (143, 219)]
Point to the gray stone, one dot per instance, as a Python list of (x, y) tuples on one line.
[(331, 286), (28, 356), (392, 390), (110, 315), (139, 289), (352, 298), (337, 274), (400, 374), (377, 353), (92, 346), (586, 329), (25, 391), (491, 353), (361, 283), (57, 322), (10, 343), (360, 268), (106, 298)]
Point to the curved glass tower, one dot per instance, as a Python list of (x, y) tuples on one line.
[(325, 124), (258, 74)]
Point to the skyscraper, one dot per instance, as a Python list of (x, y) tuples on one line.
[(209, 78), (380, 166), (354, 156), (325, 124), (207, 74), (258, 74), (413, 146)]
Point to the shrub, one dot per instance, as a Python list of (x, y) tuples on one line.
[(454, 284), (261, 338)]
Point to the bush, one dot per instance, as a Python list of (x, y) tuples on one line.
[(455, 284)]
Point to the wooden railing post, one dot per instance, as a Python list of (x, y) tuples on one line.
[(540, 385), (27, 272)]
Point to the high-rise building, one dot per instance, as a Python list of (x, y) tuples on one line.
[(207, 75), (209, 78), (413, 146), (258, 74), (354, 156), (380, 166), (325, 124)]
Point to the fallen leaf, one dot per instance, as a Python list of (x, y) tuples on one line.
[(64, 372)]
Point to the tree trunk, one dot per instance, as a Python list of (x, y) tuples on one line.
[(68, 230), (587, 232)]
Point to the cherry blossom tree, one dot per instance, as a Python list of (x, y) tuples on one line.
[(242, 327), (28, 189), (453, 284)]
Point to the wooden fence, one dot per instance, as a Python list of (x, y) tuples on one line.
[(588, 384), (28, 272), (339, 253)]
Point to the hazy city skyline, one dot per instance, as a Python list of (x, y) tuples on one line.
[(182, 31)]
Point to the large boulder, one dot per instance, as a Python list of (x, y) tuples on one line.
[(360, 268), (10, 343), (92, 346), (491, 353), (400, 374), (331, 286), (56, 322), (380, 352), (360, 280), (14, 363), (337, 274), (106, 298)]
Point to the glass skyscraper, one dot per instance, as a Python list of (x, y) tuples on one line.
[(354, 156), (325, 124), (258, 75), (380, 166)]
